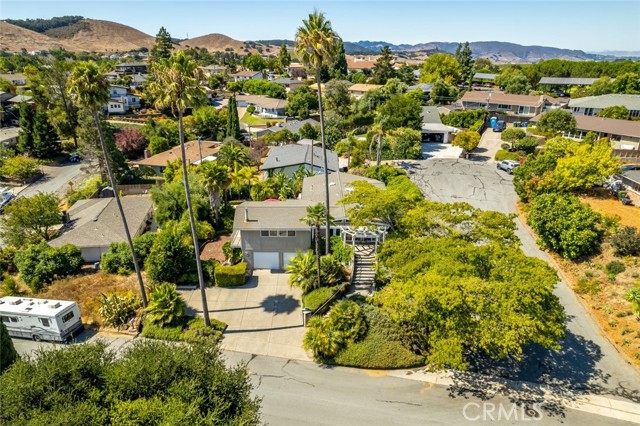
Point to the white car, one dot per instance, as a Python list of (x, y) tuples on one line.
[(508, 165)]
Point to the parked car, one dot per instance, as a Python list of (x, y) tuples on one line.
[(508, 165), (6, 196), (500, 126), (75, 157)]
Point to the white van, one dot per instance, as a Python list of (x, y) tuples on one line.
[(40, 319)]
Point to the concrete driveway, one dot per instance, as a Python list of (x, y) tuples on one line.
[(264, 315), (489, 144), (587, 360), (440, 150)]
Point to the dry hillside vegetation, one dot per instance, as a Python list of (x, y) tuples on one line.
[(220, 42), (14, 39), (106, 36)]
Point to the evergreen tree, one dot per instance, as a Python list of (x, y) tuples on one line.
[(163, 47), (233, 121), (383, 70), (339, 69), (463, 57), (44, 136), (25, 140), (7, 352), (284, 58)]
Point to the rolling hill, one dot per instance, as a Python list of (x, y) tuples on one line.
[(102, 36), (15, 38), (220, 43)]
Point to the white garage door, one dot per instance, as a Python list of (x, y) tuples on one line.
[(266, 260), (286, 258)]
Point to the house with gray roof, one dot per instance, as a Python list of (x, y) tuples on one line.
[(289, 84), (93, 224), (270, 233), (432, 128), (9, 136), (591, 105), (288, 159), (293, 126)]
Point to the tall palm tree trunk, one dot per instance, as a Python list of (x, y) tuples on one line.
[(112, 181), (379, 154), (318, 253), (326, 167), (194, 233)]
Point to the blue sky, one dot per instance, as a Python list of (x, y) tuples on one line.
[(588, 25)]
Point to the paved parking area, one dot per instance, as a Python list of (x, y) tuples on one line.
[(264, 315), (489, 144), (440, 150)]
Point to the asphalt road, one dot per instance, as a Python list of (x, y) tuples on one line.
[(303, 393), (587, 361)]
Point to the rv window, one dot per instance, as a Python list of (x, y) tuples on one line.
[(45, 322), (66, 317), (5, 319), (10, 319)]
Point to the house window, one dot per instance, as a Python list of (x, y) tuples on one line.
[(264, 233), (282, 233), (524, 110), (9, 319), (291, 233), (44, 321), (66, 317), (277, 233), (502, 106)]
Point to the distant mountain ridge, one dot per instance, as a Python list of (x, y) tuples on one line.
[(76, 33)]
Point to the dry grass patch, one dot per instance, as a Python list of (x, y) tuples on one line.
[(605, 296), (87, 290), (629, 215)]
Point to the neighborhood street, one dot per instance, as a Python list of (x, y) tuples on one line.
[(304, 393), (587, 360)]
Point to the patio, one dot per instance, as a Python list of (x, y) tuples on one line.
[(264, 315)]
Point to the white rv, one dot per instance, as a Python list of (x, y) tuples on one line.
[(40, 319)]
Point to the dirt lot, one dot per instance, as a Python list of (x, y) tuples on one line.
[(629, 215), (602, 294)]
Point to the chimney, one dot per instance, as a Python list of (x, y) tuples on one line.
[(246, 215), (65, 217), (147, 153)]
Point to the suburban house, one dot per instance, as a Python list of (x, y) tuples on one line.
[(18, 99), (5, 96), (432, 128), (210, 70), (566, 81), (270, 233), (288, 83), (358, 90), (265, 106), (289, 158), (591, 105), (623, 134), (93, 224), (195, 152), (484, 77), (131, 68), (425, 87), (297, 70), (138, 80), (515, 105), (293, 126), (364, 64), (15, 79), (121, 100), (247, 75), (9, 136)]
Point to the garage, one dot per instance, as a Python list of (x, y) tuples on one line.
[(266, 260), (286, 258)]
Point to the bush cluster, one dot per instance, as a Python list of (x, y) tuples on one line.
[(464, 119), (40, 264), (231, 276), (186, 329), (341, 251), (318, 297), (626, 242), (118, 260), (506, 155)]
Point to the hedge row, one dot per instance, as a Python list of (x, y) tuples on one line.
[(506, 155), (230, 276), (189, 329)]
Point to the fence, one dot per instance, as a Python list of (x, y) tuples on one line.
[(136, 189), (627, 155)]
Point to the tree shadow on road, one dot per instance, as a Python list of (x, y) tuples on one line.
[(280, 304), (566, 373)]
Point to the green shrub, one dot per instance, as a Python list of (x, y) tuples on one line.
[(86, 189), (166, 305), (381, 347), (209, 269), (186, 329), (633, 296), (626, 242), (464, 119), (234, 255), (615, 267), (9, 286), (7, 262), (20, 168), (341, 251), (40, 264), (505, 146), (331, 271), (316, 298), (512, 134), (506, 155), (117, 310), (565, 225), (344, 324), (118, 260), (142, 245), (384, 173), (588, 286), (476, 125), (527, 144), (171, 259), (231, 276)]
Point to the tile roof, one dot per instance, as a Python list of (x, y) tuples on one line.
[(96, 222), (362, 87), (295, 154), (192, 152)]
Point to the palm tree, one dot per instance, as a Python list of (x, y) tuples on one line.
[(378, 132), (301, 269), (216, 179), (89, 88), (317, 44), (233, 154), (166, 304), (176, 85), (243, 178), (316, 215)]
